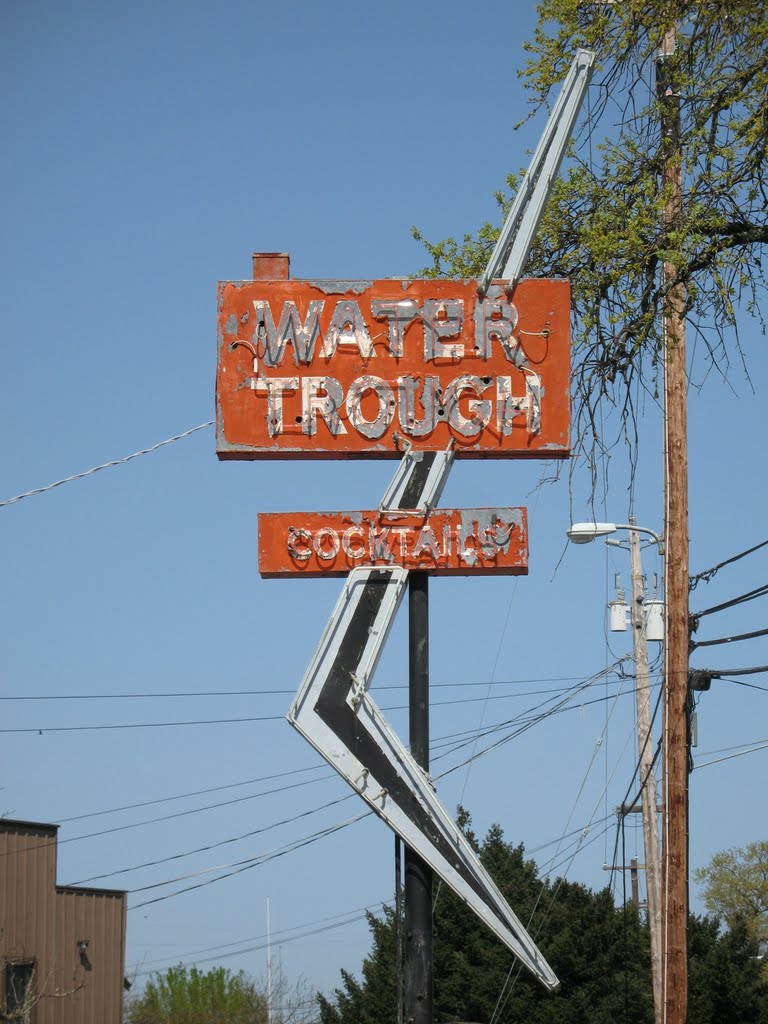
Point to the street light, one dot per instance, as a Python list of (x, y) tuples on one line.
[(583, 533)]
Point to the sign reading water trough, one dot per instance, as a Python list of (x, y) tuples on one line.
[(338, 369)]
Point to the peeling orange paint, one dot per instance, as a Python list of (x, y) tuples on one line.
[(345, 369), (446, 542)]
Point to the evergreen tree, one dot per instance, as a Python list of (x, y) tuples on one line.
[(599, 952), (726, 978), (375, 1000)]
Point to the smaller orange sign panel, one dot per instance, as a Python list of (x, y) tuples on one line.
[(446, 542)]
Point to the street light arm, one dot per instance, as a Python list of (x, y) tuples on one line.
[(641, 529), (583, 533)]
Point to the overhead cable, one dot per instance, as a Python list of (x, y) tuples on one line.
[(290, 691), (249, 862), (255, 862), (728, 639), (756, 669), (352, 917), (171, 817), (143, 725), (738, 746), (740, 682), (705, 764), (509, 983), (184, 796), (105, 465), (707, 574), (524, 727), (213, 846), (526, 718), (651, 766), (749, 596), (41, 730), (701, 678), (197, 810), (278, 936)]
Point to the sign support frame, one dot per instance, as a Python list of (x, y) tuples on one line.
[(333, 715), (419, 947)]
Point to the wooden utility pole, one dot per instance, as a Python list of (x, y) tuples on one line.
[(675, 742), (647, 775)]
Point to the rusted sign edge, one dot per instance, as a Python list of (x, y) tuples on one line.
[(231, 450)]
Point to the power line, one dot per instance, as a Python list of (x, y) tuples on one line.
[(289, 691), (42, 730), (276, 935), (213, 846), (581, 845), (525, 725), (310, 928), (707, 574), (755, 669), (729, 757), (177, 814), (261, 942), (701, 678), (183, 796), (729, 639), (507, 990), (566, 835), (198, 810), (727, 750), (143, 725), (741, 599), (248, 862), (105, 465), (521, 718), (254, 862), (740, 682)]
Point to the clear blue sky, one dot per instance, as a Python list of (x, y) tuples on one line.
[(148, 149)]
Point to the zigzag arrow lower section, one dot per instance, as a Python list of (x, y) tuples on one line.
[(335, 713)]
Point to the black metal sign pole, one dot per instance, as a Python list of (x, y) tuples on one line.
[(419, 973)]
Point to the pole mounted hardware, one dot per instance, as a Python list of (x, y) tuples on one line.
[(335, 713), (514, 243)]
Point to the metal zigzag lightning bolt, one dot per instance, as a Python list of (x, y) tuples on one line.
[(335, 713)]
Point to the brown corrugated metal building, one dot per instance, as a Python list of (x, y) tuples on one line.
[(62, 948)]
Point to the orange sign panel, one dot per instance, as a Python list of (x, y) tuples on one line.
[(336, 369), (446, 542)]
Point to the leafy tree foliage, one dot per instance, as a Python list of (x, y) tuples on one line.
[(735, 888), (190, 996), (599, 951), (604, 227)]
